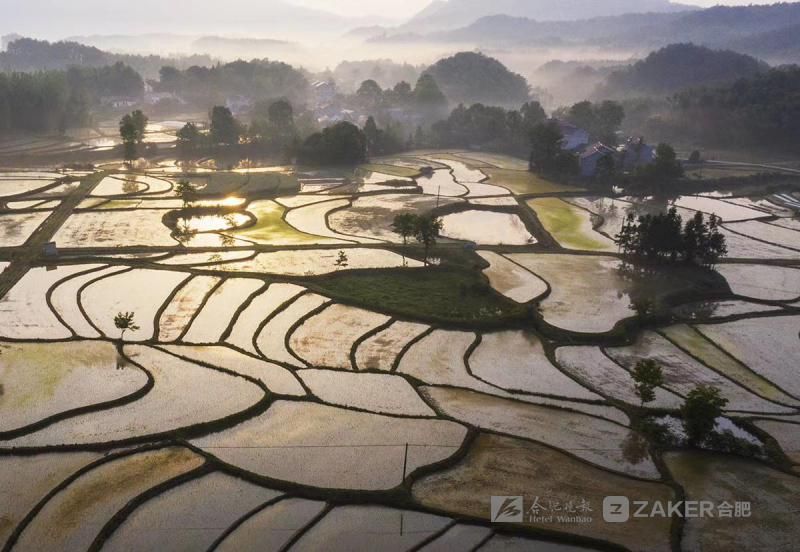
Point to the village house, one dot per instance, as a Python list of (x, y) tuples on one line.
[(591, 156), (575, 138), (635, 153), (323, 92)]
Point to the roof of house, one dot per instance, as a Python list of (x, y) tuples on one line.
[(597, 149)]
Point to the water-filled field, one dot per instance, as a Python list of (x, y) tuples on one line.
[(270, 364)]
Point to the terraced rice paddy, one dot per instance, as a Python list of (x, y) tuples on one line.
[(728, 479), (512, 280), (166, 523), (682, 373), (516, 361), (326, 338), (768, 346), (291, 437), (588, 294), (296, 378), (502, 464), (487, 228), (15, 229), (314, 262), (571, 226)]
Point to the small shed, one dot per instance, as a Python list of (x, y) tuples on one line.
[(50, 250)]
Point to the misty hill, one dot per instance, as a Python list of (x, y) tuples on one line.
[(29, 55), (780, 46), (451, 14), (721, 27), (470, 77), (677, 67), (761, 112)]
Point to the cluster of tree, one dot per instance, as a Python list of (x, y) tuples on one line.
[(664, 238), (132, 129), (677, 67), (547, 156), (425, 98), (425, 229), (272, 125), (30, 55), (205, 86), (341, 144), (665, 167), (49, 101), (700, 410), (383, 141), (601, 120), (348, 75), (470, 77), (493, 128), (762, 112)]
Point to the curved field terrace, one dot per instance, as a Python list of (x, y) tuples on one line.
[(270, 365)]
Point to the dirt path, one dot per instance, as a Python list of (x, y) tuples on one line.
[(23, 257)]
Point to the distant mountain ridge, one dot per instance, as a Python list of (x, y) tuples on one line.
[(761, 30), (451, 14)]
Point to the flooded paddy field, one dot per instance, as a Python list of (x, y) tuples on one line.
[(269, 364)]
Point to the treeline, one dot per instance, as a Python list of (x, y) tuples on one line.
[(48, 101), (664, 238), (263, 79), (761, 112), (29, 55), (509, 130), (677, 67), (493, 128), (274, 130)]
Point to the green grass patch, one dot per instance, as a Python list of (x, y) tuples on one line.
[(525, 182), (393, 170), (568, 225), (270, 183), (446, 295), (271, 228), (496, 159)]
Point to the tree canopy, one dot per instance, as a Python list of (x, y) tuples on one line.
[(341, 144), (677, 67), (225, 129), (663, 238), (470, 77)]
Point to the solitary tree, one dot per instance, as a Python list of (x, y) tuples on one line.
[(702, 407), (404, 225), (140, 121), (342, 261), (124, 322), (648, 376), (128, 133), (225, 128), (189, 137), (426, 229), (184, 190)]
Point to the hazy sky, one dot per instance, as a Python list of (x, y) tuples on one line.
[(405, 8)]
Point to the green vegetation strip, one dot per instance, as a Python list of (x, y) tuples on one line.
[(566, 224), (271, 183), (524, 182), (443, 295), (393, 170)]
